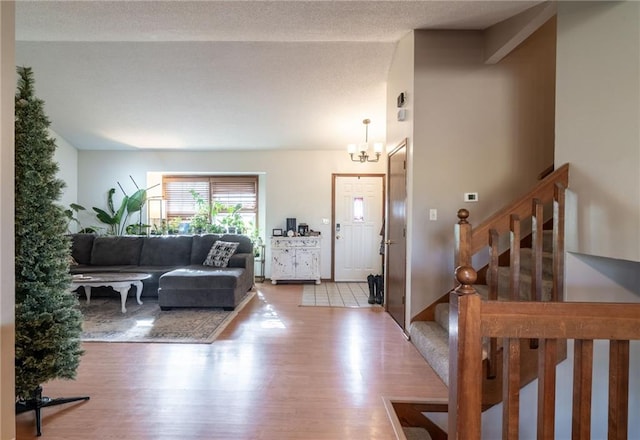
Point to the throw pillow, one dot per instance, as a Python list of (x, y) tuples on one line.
[(220, 253), (72, 261)]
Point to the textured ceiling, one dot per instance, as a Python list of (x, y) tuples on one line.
[(224, 75)]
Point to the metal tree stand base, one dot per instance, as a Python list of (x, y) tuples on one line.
[(38, 402)]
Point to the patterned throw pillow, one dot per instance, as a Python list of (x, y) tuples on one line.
[(72, 261), (220, 253)]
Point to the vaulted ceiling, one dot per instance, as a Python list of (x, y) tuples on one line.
[(225, 75)]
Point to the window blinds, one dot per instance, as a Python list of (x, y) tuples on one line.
[(227, 190)]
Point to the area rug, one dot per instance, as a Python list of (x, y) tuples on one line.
[(336, 295), (104, 322)]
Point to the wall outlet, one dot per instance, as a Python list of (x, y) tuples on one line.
[(433, 214), (470, 197), (325, 221)]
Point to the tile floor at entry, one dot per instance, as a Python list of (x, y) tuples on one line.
[(336, 295)]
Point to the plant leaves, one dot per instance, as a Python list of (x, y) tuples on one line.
[(106, 218), (110, 200), (136, 201)]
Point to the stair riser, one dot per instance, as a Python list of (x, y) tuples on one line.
[(526, 263), (504, 281)]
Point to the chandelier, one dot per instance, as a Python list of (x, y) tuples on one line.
[(363, 148)]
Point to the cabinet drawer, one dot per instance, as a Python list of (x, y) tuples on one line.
[(295, 242)]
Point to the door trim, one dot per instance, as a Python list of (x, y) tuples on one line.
[(334, 176)]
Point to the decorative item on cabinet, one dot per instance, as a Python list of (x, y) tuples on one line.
[(291, 225), (295, 259)]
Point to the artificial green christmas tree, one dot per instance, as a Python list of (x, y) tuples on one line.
[(48, 321)]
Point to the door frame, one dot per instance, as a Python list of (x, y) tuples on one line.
[(334, 176)]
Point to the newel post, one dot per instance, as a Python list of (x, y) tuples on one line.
[(462, 233), (465, 358)]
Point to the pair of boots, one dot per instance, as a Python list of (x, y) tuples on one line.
[(376, 289)]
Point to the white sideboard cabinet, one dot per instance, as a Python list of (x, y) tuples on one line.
[(295, 258)]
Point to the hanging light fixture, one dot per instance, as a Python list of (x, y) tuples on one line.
[(363, 148)]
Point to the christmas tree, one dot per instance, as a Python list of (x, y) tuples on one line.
[(48, 321)]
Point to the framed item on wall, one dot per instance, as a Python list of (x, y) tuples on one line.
[(277, 232)]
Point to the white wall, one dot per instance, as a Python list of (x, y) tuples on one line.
[(7, 190), (477, 128), (598, 123), (296, 183), (66, 156)]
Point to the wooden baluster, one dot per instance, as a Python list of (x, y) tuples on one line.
[(514, 281), (547, 359), (582, 383), (510, 388), (618, 389), (465, 358), (462, 255), (537, 219), (558, 242), (494, 254)]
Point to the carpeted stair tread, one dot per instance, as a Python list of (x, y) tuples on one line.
[(432, 341), (415, 433)]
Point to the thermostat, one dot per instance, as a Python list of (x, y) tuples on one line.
[(470, 197)]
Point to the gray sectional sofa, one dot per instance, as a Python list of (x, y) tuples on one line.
[(175, 263)]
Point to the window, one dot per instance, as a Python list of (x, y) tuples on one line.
[(358, 209), (225, 192)]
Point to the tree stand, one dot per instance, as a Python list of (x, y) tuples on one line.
[(38, 402)]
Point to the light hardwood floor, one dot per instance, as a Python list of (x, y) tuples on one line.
[(278, 372)]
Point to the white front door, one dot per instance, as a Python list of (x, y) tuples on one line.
[(358, 215)]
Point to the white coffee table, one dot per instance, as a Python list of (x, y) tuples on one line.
[(120, 282)]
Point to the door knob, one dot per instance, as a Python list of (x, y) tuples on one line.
[(388, 242), (337, 237)]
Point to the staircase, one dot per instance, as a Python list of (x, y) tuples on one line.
[(510, 326), (431, 338), (521, 267)]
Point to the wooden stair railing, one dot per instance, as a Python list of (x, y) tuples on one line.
[(469, 241), (548, 322)]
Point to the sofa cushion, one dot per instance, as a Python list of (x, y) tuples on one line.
[(245, 244), (200, 247), (220, 253), (111, 251), (205, 278), (166, 251), (81, 245)]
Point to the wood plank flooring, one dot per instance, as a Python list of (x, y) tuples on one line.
[(278, 372)]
